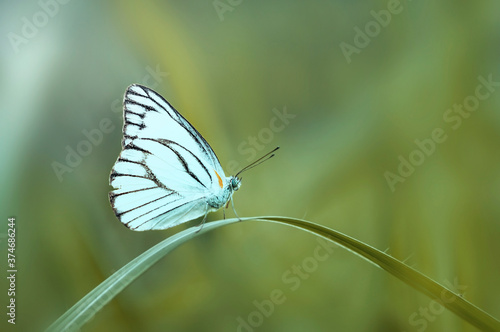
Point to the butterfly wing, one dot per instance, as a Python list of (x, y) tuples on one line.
[(166, 169), (149, 115)]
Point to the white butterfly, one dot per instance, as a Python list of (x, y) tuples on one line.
[(166, 173)]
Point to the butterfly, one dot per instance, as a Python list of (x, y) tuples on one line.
[(166, 173)]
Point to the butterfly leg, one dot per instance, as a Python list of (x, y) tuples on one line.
[(232, 204), (203, 221)]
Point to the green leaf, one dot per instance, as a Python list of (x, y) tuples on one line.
[(94, 301)]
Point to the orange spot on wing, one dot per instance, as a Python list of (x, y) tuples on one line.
[(218, 177)]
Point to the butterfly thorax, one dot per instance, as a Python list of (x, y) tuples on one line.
[(218, 200)]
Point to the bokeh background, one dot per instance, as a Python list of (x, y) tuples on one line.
[(230, 67)]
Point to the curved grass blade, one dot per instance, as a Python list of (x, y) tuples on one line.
[(90, 304), (450, 300), (86, 308)]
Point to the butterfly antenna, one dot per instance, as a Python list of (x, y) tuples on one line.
[(259, 161)]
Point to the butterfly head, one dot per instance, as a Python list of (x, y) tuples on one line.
[(235, 183)]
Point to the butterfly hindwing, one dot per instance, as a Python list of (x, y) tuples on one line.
[(142, 200)]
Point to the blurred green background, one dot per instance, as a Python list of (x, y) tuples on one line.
[(359, 101)]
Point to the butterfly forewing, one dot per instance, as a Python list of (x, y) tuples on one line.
[(148, 115)]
